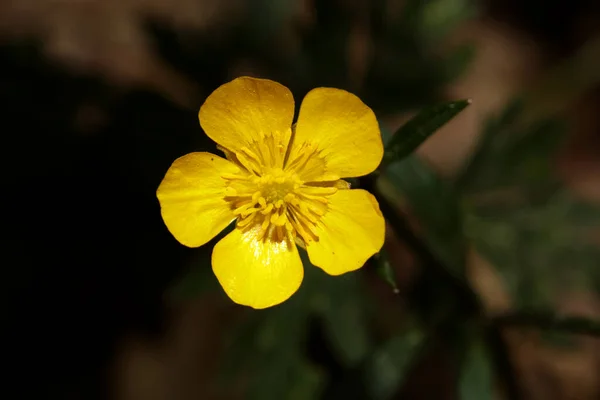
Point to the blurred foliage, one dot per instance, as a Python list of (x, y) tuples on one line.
[(476, 375), (522, 218)]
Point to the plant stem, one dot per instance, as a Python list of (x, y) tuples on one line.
[(550, 321)]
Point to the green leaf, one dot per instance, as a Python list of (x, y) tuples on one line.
[(412, 134), (199, 278), (268, 351), (340, 303), (440, 17), (386, 134), (510, 154), (433, 201), (387, 367), (345, 325), (385, 269), (476, 376), (308, 382), (519, 215), (550, 321), (541, 250), (458, 61), (286, 377)]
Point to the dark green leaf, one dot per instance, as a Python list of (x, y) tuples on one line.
[(412, 134), (273, 345), (458, 61), (340, 303), (559, 340), (197, 281), (541, 250), (287, 377), (476, 377), (440, 17), (199, 278), (386, 134), (344, 318), (388, 366), (309, 383), (385, 269), (550, 321), (433, 201), (510, 153)]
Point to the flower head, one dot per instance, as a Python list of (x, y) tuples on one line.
[(282, 184)]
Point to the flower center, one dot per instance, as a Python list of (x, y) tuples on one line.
[(277, 204)]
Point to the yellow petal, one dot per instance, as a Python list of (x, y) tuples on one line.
[(257, 273), (350, 232), (244, 110), (191, 197), (343, 130)]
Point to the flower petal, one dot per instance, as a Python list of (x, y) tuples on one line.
[(350, 232), (191, 197), (257, 273), (244, 110), (342, 130)]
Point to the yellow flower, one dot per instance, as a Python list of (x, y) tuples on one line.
[(282, 184)]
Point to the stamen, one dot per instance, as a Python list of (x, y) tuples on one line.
[(267, 210), (271, 199), (318, 190)]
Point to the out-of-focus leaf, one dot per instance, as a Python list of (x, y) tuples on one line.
[(309, 383), (507, 156), (476, 376), (550, 96), (541, 251), (388, 365), (340, 303), (269, 16), (286, 377), (439, 17), (385, 269), (560, 340), (418, 129), (278, 368), (490, 139), (550, 321), (199, 278), (458, 61), (433, 202), (386, 134), (521, 218), (407, 71), (344, 319), (561, 87)]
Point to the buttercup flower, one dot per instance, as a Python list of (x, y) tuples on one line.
[(283, 185)]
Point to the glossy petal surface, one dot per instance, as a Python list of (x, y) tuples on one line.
[(257, 273), (341, 130), (191, 197), (240, 113), (351, 231)]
